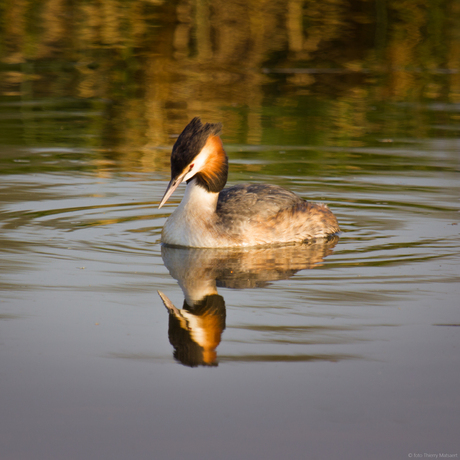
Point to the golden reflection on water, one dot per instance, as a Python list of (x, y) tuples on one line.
[(346, 100), (154, 65), (195, 330)]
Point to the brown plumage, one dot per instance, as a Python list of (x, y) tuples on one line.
[(243, 215)]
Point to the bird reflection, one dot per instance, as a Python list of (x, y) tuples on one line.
[(195, 330)]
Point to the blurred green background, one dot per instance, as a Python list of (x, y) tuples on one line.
[(126, 76)]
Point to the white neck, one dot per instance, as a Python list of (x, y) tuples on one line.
[(198, 200), (189, 224)]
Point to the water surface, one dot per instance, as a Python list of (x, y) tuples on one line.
[(345, 348)]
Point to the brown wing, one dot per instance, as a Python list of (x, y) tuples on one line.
[(255, 201), (273, 212)]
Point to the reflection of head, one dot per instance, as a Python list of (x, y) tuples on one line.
[(195, 331)]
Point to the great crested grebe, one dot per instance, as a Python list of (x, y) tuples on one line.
[(244, 215)]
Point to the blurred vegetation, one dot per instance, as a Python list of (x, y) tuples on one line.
[(127, 75)]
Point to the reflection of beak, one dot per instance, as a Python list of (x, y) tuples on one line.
[(168, 304), (175, 182), (173, 310)]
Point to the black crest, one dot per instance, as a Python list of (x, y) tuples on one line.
[(190, 143)]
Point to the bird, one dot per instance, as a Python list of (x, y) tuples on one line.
[(245, 215)]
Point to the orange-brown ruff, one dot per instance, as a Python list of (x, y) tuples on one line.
[(244, 215)]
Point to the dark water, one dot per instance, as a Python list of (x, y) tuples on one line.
[(347, 348)]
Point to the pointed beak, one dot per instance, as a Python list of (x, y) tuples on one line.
[(168, 304), (175, 182)]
